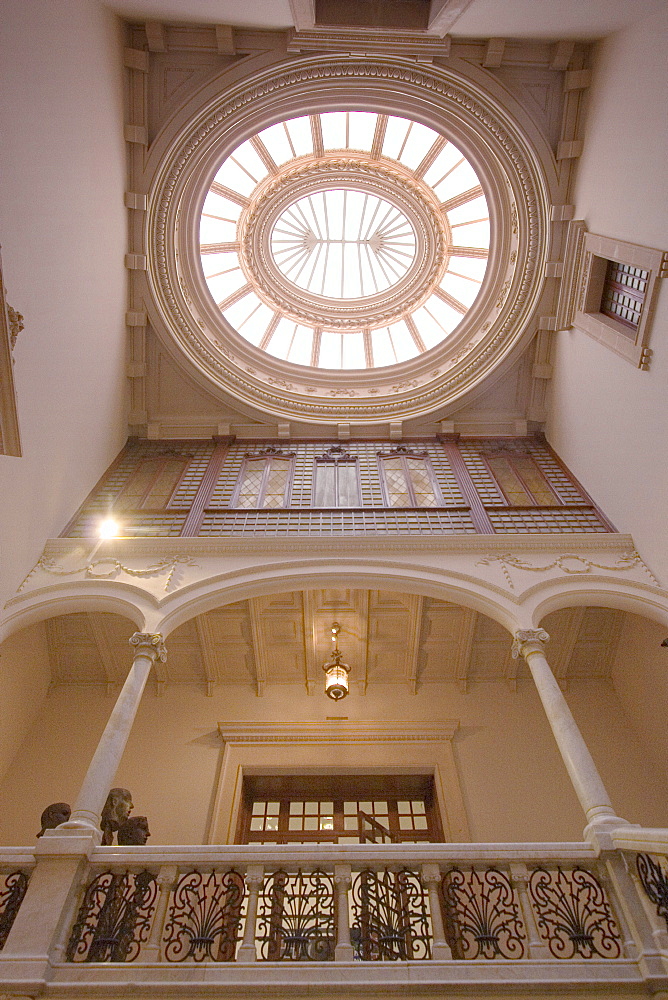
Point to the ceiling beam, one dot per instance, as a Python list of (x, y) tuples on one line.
[(444, 13), (259, 646), (469, 620), (97, 625), (311, 662), (209, 652), (364, 611), (560, 657), (413, 641)]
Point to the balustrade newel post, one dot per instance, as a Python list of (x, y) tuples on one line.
[(589, 788), (343, 952), (167, 881), (430, 875), (254, 880), (536, 946)]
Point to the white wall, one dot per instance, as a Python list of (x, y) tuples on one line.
[(63, 234), (24, 682), (609, 420)]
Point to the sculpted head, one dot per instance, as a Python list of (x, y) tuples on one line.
[(134, 831), (54, 815), (116, 810)]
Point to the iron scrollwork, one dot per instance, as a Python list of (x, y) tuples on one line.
[(114, 919), (482, 918), (390, 916), (11, 897), (573, 914), (655, 883), (296, 917), (205, 917)]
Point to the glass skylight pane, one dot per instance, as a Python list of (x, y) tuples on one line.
[(246, 156), (224, 284), (461, 179), (215, 231), (277, 143), (334, 130), (302, 345), (472, 234), (353, 350), (444, 162), (404, 345), (431, 332), (382, 348), (237, 314), (300, 133), (215, 263), (254, 328), (281, 341), (221, 208), (448, 318), (395, 134), (418, 144), (361, 130), (330, 350), (232, 176), (471, 267), (461, 289), (475, 209)]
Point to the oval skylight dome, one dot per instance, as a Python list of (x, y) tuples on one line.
[(345, 240)]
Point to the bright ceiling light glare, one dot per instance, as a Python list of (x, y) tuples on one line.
[(108, 528), (345, 240)]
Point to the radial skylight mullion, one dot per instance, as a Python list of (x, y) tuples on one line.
[(370, 260), (430, 156), (234, 297), (240, 165), (379, 136), (207, 248), (269, 332), (448, 172), (218, 274), (289, 138), (264, 154), (316, 134), (225, 192)]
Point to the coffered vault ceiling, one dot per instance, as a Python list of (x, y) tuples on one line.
[(386, 637)]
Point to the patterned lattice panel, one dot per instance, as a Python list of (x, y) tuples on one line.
[(133, 526), (482, 478), (191, 479), (337, 522), (540, 520)]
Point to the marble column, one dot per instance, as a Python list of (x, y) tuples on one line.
[(579, 762), (148, 647)]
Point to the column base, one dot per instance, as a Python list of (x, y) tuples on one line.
[(344, 953), (246, 954), (441, 953), (600, 831)]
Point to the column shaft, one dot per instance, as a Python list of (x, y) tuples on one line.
[(107, 757)]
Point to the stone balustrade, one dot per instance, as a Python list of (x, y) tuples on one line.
[(449, 913)]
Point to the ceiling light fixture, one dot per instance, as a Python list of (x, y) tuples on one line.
[(336, 672), (108, 528)]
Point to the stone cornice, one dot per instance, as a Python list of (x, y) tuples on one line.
[(337, 732)]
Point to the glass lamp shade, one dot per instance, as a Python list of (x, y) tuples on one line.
[(336, 680)]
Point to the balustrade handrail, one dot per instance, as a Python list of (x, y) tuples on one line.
[(313, 855)]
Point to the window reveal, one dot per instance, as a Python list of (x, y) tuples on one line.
[(623, 294), (521, 481), (336, 479), (152, 483), (264, 481), (409, 480)]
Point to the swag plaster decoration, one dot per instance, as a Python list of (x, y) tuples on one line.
[(108, 568), (569, 563)]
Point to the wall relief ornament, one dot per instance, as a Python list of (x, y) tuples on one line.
[(108, 568), (509, 167), (569, 563)]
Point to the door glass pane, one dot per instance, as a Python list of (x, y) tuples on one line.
[(277, 481), (348, 485), (421, 482), (325, 484)]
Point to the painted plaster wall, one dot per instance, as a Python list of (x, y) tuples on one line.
[(608, 420), (63, 233), (513, 782), (640, 675), (24, 682)]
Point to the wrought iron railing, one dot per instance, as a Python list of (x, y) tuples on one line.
[(13, 887), (365, 911)]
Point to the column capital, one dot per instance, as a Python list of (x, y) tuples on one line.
[(529, 640), (150, 644)]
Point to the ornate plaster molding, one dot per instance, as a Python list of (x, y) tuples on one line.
[(508, 167), (336, 732), (569, 563), (109, 568), (149, 644), (529, 640)]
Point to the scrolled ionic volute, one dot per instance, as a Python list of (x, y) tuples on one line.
[(529, 640)]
